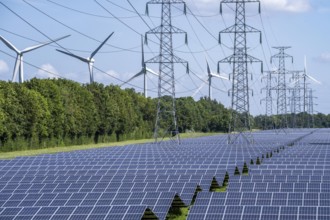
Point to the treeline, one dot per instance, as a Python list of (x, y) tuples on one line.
[(55, 112), (301, 120)]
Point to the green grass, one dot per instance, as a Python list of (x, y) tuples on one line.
[(10, 155), (181, 215), (221, 189)]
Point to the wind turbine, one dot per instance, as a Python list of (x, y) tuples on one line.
[(305, 77), (144, 70), (208, 81), (19, 59), (89, 60)]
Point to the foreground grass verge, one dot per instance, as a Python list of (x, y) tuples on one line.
[(10, 155)]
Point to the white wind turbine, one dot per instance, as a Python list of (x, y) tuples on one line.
[(144, 70), (305, 77), (19, 59), (89, 60), (208, 81)]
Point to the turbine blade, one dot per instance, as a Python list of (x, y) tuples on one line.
[(152, 72), (75, 56), (208, 68), (199, 89), (219, 76), (313, 79), (8, 44), (214, 74), (43, 44), (97, 49), (136, 75)]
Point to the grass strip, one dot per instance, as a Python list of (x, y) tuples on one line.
[(54, 150)]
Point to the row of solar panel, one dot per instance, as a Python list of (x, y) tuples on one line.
[(300, 172), (279, 187), (301, 163), (254, 178), (270, 199), (84, 186), (131, 212), (262, 212), (119, 172)]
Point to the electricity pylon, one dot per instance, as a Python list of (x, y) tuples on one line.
[(166, 123), (268, 99), (310, 109), (240, 125), (281, 87), (296, 96)]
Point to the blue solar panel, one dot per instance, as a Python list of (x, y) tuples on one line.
[(126, 176)]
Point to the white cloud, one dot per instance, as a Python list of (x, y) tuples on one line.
[(47, 71), (3, 67), (287, 5), (324, 57)]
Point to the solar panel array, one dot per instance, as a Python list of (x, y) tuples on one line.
[(294, 184), (124, 182)]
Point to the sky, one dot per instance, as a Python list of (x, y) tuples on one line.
[(300, 24)]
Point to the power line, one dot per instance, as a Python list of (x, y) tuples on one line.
[(70, 49), (79, 32), (30, 64), (30, 24), (86, 13)]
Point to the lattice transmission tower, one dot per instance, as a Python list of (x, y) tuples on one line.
[(240, 125), (281, 87), (296, 96), (310, 109), (269, 98), (166, 122)]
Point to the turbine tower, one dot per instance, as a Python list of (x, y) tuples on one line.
[(281, 86), (240, 114), (144, 70), (166, 123), (89, 60), (19, 59), (208, 81)]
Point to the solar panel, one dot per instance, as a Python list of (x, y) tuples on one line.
[(125, 176)]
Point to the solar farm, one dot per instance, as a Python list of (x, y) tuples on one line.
[(288, 177)]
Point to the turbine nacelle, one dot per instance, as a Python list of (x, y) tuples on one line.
[(208, 81), (89, 60)]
